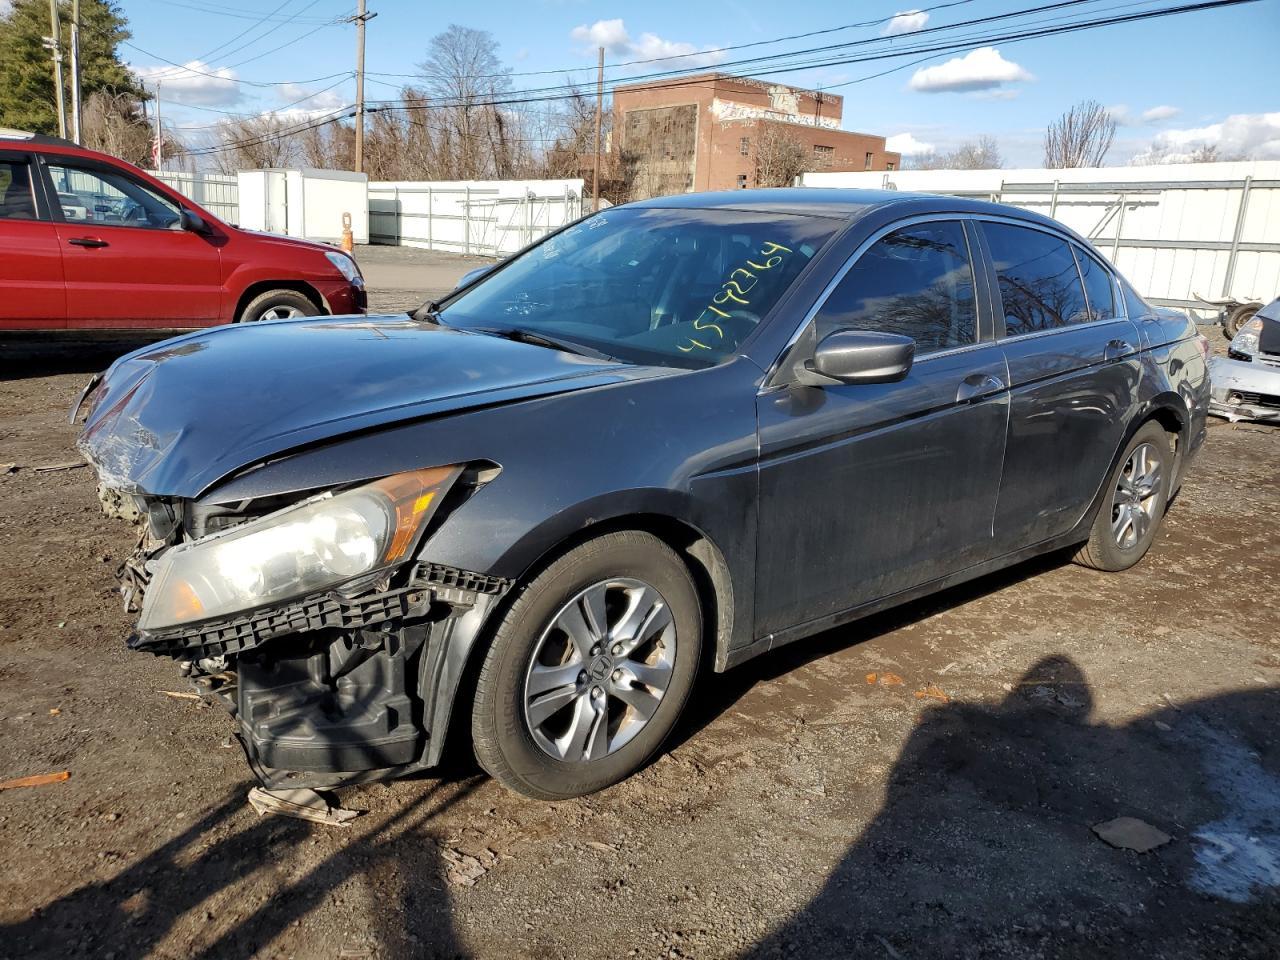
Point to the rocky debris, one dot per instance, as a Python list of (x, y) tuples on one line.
[(1130, 833)]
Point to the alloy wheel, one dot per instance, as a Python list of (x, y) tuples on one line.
[(283, 312), (599, 670), (1136, 497)]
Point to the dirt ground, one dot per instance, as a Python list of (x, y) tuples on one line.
[(921, 784)]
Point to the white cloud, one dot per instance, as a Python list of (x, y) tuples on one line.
[(299, 98), (1157, 114), (907, 22), (1121, 114), (1251, 136), (907, 145), (618, 42), (195, 83), (981, 69)]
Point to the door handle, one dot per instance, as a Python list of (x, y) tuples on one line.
[(978, 385), (1118, 349), (87, 242)]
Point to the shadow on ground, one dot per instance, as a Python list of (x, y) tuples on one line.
[(26, 356), (131, 914), (983, 846)]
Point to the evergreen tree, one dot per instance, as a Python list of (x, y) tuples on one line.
[(27, 97)]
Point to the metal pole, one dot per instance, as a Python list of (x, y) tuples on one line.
[(1053, 203), (466, 223), (430, 241), (1115, 247), (159, 133), (1235, 236), (360, 18), (595, 176), (75, 72), (55, 44)]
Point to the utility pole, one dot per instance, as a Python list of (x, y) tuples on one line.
[(54, 43), (595, 177), (75, 72), (159, 133), (359, 20)]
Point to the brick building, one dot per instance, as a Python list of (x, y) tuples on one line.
[(702, 132)]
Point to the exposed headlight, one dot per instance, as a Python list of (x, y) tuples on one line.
[(317, 544), (1246, 338), (346, 265)]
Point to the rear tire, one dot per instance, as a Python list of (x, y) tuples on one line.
[(1133, 503), (589, 669), (278, 305)]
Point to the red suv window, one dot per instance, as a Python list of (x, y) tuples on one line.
[(17, 202)]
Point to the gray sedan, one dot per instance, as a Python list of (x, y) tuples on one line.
[(683, 431)]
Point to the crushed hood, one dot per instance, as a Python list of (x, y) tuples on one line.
[(173, 418)]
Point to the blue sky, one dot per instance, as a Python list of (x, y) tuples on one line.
[(1201, 77)]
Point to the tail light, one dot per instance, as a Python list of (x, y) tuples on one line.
[(1206, 349)]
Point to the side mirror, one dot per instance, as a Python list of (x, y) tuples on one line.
[(858, 356), (471, 275), (193, 222)]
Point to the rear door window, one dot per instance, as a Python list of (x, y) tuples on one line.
[(17, 201), (917, 282), (1039, 283), (1098, 286)]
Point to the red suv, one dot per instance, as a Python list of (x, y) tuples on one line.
[(90, 242)]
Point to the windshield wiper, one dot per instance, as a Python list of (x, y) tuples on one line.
[(428, 312), (521, 335)]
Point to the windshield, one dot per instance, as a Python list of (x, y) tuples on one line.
[(672, 287)]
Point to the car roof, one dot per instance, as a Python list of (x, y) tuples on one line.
[(10, 137), (841, 203)]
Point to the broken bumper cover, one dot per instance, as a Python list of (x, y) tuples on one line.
[(332, 689), (330, 609), (1244, 390)]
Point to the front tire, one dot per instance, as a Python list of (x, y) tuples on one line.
[(1134, 502), (278, 305), (589, 669)]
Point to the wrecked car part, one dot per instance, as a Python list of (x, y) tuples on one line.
[(300, 803), (319, 543), (330, 610), (1246, 383)]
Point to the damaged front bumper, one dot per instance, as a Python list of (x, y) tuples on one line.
[(1244, 390), (341, 685)]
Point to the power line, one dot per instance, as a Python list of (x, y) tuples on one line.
[(204, 57), (709, 50), (1014, 36), (241, 14), (759, 64)]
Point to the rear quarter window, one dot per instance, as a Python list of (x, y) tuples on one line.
[(1097, 286)]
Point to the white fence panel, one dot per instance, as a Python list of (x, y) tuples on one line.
[(486, 217), (1177, 231), (217, 192)]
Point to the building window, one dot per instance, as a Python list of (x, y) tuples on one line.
[(744, 146), (742, 181), (823, 156), (889, 165), (870, 157)]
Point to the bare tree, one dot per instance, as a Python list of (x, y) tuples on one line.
[(114, 124), (980, 154), (329, 146), (780, 157), (463, 76), (256, 143), (1081, 137)]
